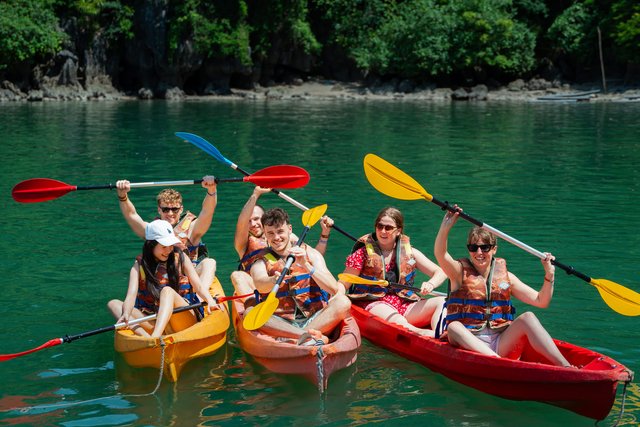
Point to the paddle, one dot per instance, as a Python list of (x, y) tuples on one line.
[(69, 338), (260, 314), (352, 278), (393, 182), (208, 148), (43, 189)]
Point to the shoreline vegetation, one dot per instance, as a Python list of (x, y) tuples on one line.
[(534, 90), (425, 50)]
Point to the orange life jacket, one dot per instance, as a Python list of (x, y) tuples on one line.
[(375, 269), (197, 252), (145, 300), (300, 292), (473, 306), (256, 248)]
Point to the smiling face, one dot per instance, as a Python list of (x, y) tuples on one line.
[(255, 222), (387, 230), (161, 252), (278, 237), (170, 206), (482, 247)]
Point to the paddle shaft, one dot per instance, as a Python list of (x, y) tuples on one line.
[(413, 288), (156, 184), (518, 243), (69, 338)]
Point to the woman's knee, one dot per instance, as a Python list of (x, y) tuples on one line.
[(208, 263), (342, 303)]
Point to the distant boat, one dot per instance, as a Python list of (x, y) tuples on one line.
[(570, 96)]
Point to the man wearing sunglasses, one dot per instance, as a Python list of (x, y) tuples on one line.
[(479, 311), (187, 227)]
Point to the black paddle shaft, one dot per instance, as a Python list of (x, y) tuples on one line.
[(70, 338), (567, 268)]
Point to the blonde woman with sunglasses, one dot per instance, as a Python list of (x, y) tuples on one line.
[(387, 254), (486, 324)]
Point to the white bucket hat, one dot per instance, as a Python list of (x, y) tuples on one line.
[(162, 232)]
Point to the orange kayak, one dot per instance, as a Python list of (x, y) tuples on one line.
[(316, 363), (589, 391), (202, 339)]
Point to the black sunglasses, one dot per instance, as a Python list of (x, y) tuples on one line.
[(484, 248), (385, 227), (166, 209)]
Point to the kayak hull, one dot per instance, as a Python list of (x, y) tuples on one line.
[(202, 339), (316, 363), (589, 391)]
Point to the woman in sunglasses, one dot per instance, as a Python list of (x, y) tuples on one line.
[(161, 279), (388, 255), (485, 323)]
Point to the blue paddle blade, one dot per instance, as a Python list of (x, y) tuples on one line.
[(205, 146)]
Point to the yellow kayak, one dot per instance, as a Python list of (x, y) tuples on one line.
[(202, 339)]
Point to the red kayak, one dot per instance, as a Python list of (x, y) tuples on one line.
[(589, 390)]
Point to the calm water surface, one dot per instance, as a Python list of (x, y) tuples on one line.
[(560, 177)]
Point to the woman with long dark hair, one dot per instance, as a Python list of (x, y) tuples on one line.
[(161, 279)]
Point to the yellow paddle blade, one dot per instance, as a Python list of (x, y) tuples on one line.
[(620, 299), (393, 182), (352, 278), (313, 215), (261, 313)]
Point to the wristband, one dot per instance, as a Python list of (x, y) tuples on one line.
[(212, 194), (322, 240), (123, 198), (548, 280), (324, 237)]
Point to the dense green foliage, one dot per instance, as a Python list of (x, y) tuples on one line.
[(420, 39), (432, 37), (28, 29)]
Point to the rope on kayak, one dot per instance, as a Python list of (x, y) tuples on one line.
[(320, 366), (624, 398), (53, 406)]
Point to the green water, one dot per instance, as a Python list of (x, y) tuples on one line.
[(559, 177)]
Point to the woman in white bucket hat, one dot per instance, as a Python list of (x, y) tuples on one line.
[(161, 279)]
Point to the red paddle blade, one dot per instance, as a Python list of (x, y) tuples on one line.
[(40, 190), (281, 176), (51, 343)]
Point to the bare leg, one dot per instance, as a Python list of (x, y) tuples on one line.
[(390, 314), (142, 329), (242, 282), (169, 299), (425, 313), (331, 316), (527, 326), (462, 337), (206, 269)]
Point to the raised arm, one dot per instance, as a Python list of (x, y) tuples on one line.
[(203, 222), (528, 295), (451, 267), (242, 226), (128, 210), (326, 223)]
